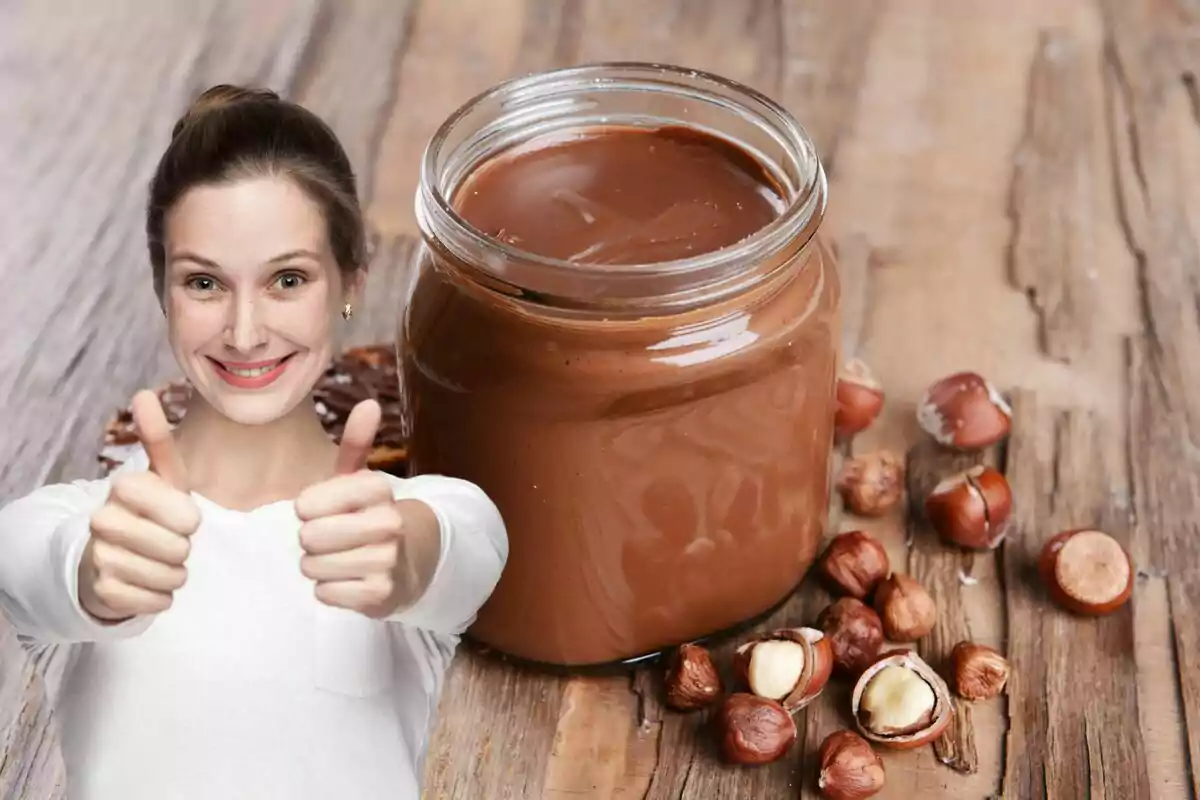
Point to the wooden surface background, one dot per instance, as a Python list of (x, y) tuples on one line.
[(1015, 189)]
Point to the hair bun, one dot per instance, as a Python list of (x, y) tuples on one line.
[(221, 96)]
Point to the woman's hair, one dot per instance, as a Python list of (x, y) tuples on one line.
[(231, 133)]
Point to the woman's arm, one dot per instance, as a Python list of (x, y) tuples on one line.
[(42, 539), (461, 563)]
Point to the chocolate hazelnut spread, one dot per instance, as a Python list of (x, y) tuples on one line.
[(663, 473)]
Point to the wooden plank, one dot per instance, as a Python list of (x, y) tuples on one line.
[(1075, 731)]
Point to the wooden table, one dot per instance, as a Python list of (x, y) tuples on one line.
[(1013, 188)]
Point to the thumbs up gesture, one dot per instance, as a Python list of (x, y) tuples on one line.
[(133, 562), (351, 527)]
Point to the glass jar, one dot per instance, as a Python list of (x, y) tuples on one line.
[(656, 436)]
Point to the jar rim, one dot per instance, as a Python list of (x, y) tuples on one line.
[(807, 204)]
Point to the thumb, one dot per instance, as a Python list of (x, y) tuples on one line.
[(156, 436), (358, 437)]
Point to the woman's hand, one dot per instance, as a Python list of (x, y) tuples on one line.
[(365, 550), (133, 562)]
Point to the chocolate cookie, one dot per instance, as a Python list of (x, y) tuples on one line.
[(357, 374)]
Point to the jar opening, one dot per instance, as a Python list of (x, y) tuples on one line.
[(611, 96)]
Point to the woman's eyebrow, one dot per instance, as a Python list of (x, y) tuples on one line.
[(291, 254), (186, 255)]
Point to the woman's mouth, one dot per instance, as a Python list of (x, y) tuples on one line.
[(253, 375)]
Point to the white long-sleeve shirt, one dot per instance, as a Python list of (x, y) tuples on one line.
[(248, 686)]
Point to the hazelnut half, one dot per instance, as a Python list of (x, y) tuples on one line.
[(850, 768), (979, 671), (753, 729), (905, 608), (900, 702), (872, 483), (859, 399), (854, 563), (692, 680), (964, 411), (1087, 571), (855, 634), (972, 509), (790, 665)]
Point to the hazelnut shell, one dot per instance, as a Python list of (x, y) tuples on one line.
[(905, 607), (1079, 586), (753, 729), (964, 411), (853, 564), (859, 399), (972, 509), (855, 634), (692, 680), (943, 709)]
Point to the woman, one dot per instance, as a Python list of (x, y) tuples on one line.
[(262, 617)]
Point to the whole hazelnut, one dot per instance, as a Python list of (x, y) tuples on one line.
[(979, 671), (872, 483), (753, 729), (854, 563), (855, 634), (1087, 571), (972, 509), (900, 702), (905, 608), (859, 399), (789, 665), (692, 680), (850, 768), (964, 411)]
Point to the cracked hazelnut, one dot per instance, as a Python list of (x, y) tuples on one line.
[(905, 608), (855, 634), (1087, 571), (972, 509), (979, 671), (790, 665), (850, 768), (900, 702), (753, 729), (964, 412), (854, 563), (859, 399), (692, 680), (872, 483)]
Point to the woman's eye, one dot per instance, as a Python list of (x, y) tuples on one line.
[(201, 283), (290, 280)]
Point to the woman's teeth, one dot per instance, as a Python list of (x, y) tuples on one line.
[(252, 373)]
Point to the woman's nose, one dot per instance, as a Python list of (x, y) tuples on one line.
[(245, 332)]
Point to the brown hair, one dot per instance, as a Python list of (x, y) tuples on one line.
[(232, 132)]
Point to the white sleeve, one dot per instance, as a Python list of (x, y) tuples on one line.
[(474, 550), (42, 537)]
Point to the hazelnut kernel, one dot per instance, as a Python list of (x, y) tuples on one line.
[(901, 702), (789, 665), (692, 680), (979, 672), (872, 483), (850, 768), (753, 730), (964, 411), (905, 607), (854, 563), (855, 634)]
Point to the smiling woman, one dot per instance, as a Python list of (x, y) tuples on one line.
[(265, 615)]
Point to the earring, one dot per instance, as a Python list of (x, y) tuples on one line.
[(347, 311)]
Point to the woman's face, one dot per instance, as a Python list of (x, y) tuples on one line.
[(251, 292)]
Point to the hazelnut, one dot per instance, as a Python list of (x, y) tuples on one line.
[(900, 702), (790, 665), (853, 563), (979, 672), (1087, 571), (872, 483), (859, 399), (972, 509), (850, 768), (905, 608), (753, 729), (692, 680), (964, 411), (855, 634)]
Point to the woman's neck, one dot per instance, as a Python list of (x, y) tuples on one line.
[(246, 466)]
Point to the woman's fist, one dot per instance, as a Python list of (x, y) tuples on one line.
[(140, 538)]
